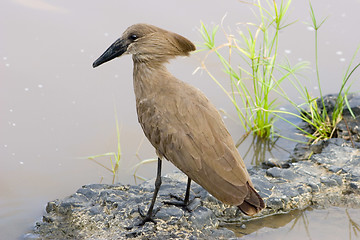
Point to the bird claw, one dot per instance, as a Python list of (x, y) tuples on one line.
[(176, 203), (180, 199), (179, 203), (188, 206), (146, 217)]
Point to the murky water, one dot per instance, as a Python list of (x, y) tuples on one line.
[(55, 109), (332, 223)]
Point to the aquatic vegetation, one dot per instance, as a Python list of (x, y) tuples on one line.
[(255, 80), (115, 157), (314, 111), (323, 123)]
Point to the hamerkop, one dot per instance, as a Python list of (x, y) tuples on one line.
[(180, 122)]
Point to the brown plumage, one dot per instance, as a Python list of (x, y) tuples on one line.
[(178, 119)]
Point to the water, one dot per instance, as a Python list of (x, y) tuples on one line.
[(332, 223), (56, 109)]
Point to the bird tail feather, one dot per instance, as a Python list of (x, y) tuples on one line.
[(253, 203)]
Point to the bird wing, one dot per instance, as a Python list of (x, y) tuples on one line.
[(188, 130)]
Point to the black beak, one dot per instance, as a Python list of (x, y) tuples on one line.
[(115, 50)]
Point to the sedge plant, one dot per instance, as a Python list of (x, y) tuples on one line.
[(258, 50), (330, 121), (313, 111), (253, 82)]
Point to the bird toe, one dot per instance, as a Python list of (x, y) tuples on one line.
[(149, 217)]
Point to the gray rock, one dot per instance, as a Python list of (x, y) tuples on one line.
[(203, 217), (87, 192), (110, 211), (222, 233), (354, 186), (273, 162), (328, 182), (335, 169), (314, 187), (196, 202), (275, 203), (170, 212), (276, 172)]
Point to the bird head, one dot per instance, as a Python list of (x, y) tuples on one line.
[(147, 43)]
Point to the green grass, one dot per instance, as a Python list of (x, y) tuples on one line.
[(141, 163), (138, 165), (322, 123), (255, 81), (115, 157), (252, 82)]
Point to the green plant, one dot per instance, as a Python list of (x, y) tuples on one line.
[(319, 118), (142, 162), (258, 50), (115, 157), (322, 123), (252, 84), (137, 166)]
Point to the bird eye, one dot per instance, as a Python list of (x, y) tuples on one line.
[(133, 37)]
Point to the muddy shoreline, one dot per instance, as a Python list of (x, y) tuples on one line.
[(321, 175)]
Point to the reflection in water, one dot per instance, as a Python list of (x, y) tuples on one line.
[(303, 224), (354, 227), (260, 148), (275, 221)]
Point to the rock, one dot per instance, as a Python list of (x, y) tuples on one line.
[(275, 203), (354, 186), (314, 187), (276, 172), (328, 181), (203, 217), (88, 193), (273, 162), (335, 169), (103, 211), (304, 151), (170, 213), (193, 204), (222, 233)]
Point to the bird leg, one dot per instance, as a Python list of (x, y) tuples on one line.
[(182, 202), (149, 215)]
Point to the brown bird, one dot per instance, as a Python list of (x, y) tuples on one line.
[(180, 122)]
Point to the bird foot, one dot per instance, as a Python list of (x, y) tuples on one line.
[(187, 205), (180, 200), (147, 217)]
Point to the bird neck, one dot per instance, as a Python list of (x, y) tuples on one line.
[(149, 77)]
